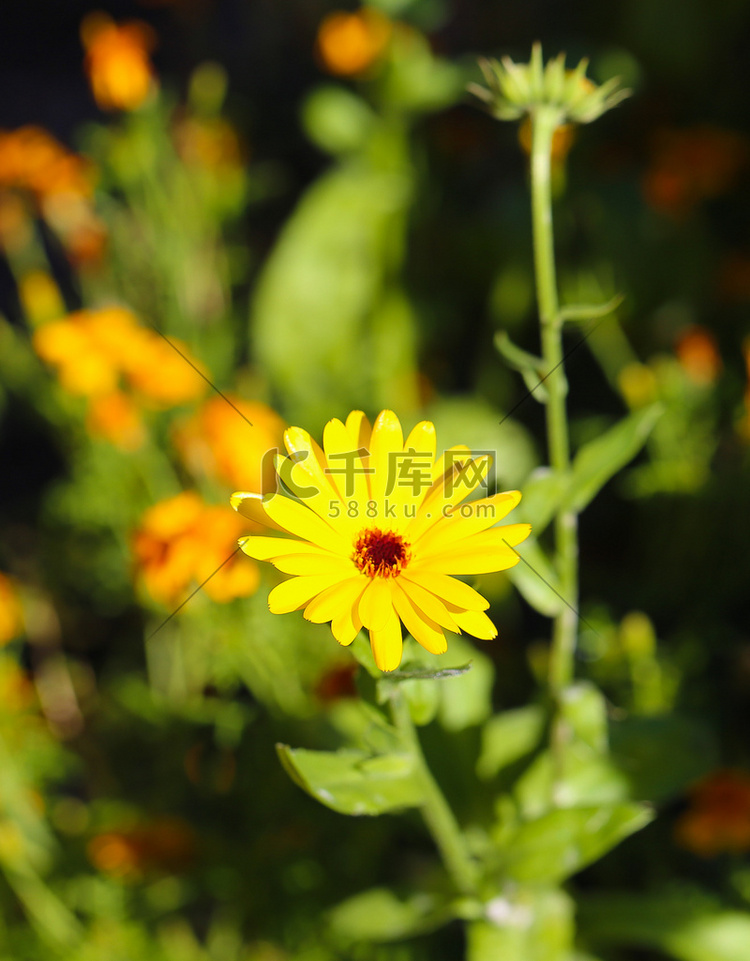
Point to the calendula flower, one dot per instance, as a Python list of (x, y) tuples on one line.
[(350, 43), (182, 541), (117, 61), (718, 818), (378, 527), (232, 443)]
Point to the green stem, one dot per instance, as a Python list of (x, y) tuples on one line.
[(545, 120), (435, 809)]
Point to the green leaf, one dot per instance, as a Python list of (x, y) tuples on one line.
[(353, 782), (314, 299), (561, 842), (518, 358), (600, 459), (543, 492), (508, 737), (585, 709), (536, 579), (588, 778), (526, 924), (590, 311), (466, 701), (379, 915), (686, 924), (337, 120)]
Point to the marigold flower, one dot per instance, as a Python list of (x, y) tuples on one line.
[(217, 441), (350, 43), (116, 417), (718, 818), (11, 618), (698, 355), (117, 61), (182, 541), (378, 527), (94, 349)]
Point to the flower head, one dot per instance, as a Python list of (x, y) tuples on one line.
[(11, 618), (378, 526), (515, 89), (350, 43), (117, 61), (182, 541)]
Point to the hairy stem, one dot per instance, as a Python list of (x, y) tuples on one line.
[(436, 811), (544, 122)]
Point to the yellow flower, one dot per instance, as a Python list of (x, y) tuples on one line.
[(117, 61), (378, 528)]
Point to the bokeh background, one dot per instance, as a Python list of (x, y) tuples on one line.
[(320, 218)]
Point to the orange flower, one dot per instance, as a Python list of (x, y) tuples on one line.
[(349, 44), (164, 846), (31, 159), (93, 349), (116, 417), (718, 818), (182, 541), (218, 442), (11, 618), (698, 355), (692, 165), (117, 61)]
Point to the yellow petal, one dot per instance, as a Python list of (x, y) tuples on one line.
[(456, 484), (250, 505), (298, 591), (322, 563), (423, 439), (476, 623), (300, 520), (451, 455), (387, 645), (266, 548), (426, 603), (448, 589), (467, 519), (338, 600), (423, 629), (346, 625), (359, 429), (376, 606), (506, 536), (345, 466), (306, 474), (480, 561), (387, 440)]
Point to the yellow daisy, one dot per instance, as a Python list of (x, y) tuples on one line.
[(378, 527)]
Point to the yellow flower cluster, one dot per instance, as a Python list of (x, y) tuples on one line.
[(182, 541), (97, 352)]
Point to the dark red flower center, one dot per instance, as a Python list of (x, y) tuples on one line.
[(380, 553)]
